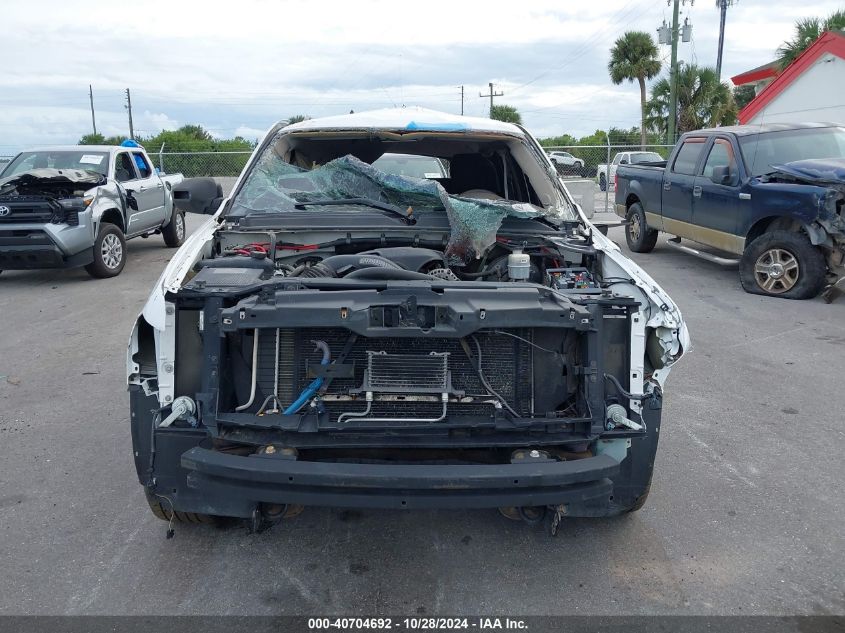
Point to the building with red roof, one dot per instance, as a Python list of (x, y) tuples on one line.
[(811, 88)]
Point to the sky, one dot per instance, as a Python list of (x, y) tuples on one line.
[(237, 67)]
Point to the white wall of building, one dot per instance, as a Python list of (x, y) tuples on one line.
[(817, 95)]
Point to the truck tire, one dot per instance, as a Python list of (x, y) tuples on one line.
[(602, 182), (174, 232), (640, 238), (109, 252), (783, 264), (161, 508)]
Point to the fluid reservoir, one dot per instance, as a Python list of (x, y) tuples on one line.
[(519, 266)]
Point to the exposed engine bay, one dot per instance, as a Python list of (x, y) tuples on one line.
[(53, 183), (329, 370)]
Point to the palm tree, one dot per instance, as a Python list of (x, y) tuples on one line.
[(808, 31), (635, 56), (703, 101)]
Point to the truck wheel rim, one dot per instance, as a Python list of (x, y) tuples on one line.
[(634, 227), (180, 227), (776, 271), (112, 251)]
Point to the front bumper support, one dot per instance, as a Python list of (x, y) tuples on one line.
[(245, 481)]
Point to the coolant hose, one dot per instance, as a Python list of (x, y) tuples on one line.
[(311, 389)]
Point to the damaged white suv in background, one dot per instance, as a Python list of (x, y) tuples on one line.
[(337, 335)]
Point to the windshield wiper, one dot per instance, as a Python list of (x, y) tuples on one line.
[(407, 216)]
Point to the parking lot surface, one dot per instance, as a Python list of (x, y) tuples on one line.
[(745, 514)]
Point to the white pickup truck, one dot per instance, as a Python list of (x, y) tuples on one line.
[(624, 158), (76, 205)]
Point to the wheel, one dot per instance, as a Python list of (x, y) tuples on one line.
[(161, 507), (579, 169), (109, 252), (602, 182), (174, 232), (783, 264), (640, 238)]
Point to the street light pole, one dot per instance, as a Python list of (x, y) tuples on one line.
[(723, 9)]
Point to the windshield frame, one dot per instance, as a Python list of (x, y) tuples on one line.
[(565, 208)]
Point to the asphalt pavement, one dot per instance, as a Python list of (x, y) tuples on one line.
[(745, 514)]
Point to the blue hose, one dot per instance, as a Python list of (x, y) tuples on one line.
[(311, 389)]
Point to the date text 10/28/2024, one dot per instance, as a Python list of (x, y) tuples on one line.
[(417, 624)]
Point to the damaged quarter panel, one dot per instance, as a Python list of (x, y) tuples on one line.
[(338, 335)]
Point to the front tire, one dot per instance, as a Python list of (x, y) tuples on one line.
[(638, 235), (782, 264), (162, 509), (602, 182), (109, 252), (174, 232)]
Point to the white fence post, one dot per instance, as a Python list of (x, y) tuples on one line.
[(607, 175)]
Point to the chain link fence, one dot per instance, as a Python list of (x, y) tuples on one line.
[(193, 164), (576, 162)]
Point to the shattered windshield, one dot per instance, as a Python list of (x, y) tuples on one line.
[(274, 186)]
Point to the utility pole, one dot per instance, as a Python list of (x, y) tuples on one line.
[(491, 94), (129, 108), (91, 99), (462, 100), (723, 8), (669, 35), (673, 76)]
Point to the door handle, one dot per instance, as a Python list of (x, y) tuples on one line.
[(142, 188), (696, 191), (667, 186), (745, 196)]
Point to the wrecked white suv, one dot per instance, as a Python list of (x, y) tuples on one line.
[(337, 335)]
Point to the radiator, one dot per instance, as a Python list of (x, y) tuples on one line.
[(506, 362)]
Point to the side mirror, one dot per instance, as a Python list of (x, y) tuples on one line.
[(722, 175), (624, 161), (198, 195)]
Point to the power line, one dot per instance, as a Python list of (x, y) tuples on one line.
[(587, 45)]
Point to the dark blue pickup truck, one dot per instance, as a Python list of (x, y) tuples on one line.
[(771, 195)]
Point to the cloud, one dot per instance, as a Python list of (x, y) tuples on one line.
[(239, 71)]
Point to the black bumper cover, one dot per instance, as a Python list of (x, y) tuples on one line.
[(41, 256), (271, 479)]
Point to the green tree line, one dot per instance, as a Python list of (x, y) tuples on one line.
[(188, 138)]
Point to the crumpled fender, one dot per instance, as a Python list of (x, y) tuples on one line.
[(662, 314)]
